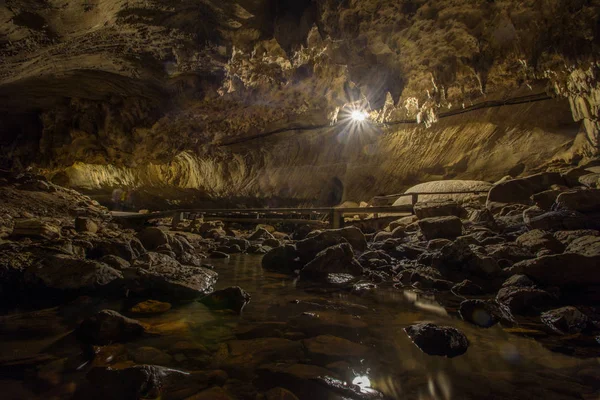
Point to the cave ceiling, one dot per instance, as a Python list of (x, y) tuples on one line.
[(130, 81)]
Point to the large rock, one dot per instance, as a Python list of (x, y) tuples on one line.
[(260, 234), (438, 340), (525, 300), (335, 259), (443, 186), (545, 200), (64, 272), (83, 224), (565, 320), (108, 326), (318, 241), (584, 201), (565, 269), (521, 190), (482, 313), (561, 220), (440, 208), (153, 237), (126, 248), (159, 274), (283, 259), (36, 229), (232, 298), (465, 258), (441, 227), (586, 245), (568, 237), (538, 240)]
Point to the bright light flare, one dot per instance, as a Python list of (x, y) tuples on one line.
[(358, 116)]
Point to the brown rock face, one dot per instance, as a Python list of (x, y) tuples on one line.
[(169, 97)]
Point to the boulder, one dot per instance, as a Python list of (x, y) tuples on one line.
[(560, 220), (441, 227), (509, 251), (567, 269), (242, 244), (583, 201), (437, 244), (382, 236), (116, 262), (590, 180), (329, 237), (546, 199), (151, 238), (282, 259), (439, 208), (271, 243), (108, 326), (126, 248), (64, 272), (35, 229), (438, 340), (565, 320), (586, 246), (521, 190), (232, 298), (460, 256), (537, 240), (525, 300), (402, 222), (161, 275), (335, 259)]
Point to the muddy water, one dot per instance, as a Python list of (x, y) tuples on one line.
[(45, 360)]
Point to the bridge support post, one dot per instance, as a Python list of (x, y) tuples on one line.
[(414, 200), (337, 219)]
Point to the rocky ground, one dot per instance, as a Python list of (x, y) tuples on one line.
[(525, 257)]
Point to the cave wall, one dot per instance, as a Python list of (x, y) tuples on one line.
[(301, 166)]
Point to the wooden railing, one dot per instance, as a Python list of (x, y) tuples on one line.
[(315, 215)]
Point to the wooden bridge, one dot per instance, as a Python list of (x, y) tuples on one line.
[(319, 216)]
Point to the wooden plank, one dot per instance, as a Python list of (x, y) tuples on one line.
[(267, 220)]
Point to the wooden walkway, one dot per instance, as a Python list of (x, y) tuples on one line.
[(313, 216)]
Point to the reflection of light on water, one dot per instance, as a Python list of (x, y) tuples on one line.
[(362, 381)]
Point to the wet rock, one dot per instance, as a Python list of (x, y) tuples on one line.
[(242, 244), (219, 254), (126, 248), (279, 393), (151, 307), (590, 180), (441, 227), (482, 313), (83, 224), (235, 249), (467, 288), (584, 201), (565, 320), (35, 229), (327, 348), (438, 340), (402, 222), (232, 298), (108, 326), (439, 208), (116, 262), (460, 256), (375, 254), (150, 355), (284, 259), (63, 272), (260, 234), (586, 245), (561, 269), (339, 279), (258, 249), (335, 259), (537, 240), (519, 281), (567, 237), (158, 274), (525, 300), (144, 382)]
